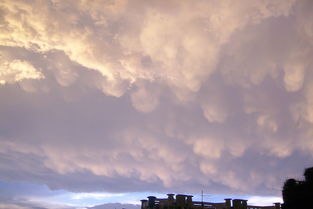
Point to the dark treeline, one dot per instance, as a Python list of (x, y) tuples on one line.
[(299, 194)]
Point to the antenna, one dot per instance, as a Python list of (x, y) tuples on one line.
[(202, 199)]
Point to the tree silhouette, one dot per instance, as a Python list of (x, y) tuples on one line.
[(299, 194)]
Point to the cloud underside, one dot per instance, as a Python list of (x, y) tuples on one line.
[(156, 96)]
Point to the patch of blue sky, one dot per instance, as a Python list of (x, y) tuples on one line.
[(42, 193)]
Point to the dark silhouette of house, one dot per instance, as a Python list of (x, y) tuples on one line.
[(186, 202), (299, 194)]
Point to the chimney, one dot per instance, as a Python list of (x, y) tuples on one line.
[(277, 205), (170, 197), (189, 201), (151, 201), (239, 204), (180, 200), (144, 204), (244, 204), (228, 203)]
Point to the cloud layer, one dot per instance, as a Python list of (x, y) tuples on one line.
[(156, 95)]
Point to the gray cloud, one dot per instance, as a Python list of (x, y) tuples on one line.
[(115, 205), (136, 96), (18, 203)]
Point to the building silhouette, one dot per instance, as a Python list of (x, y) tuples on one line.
[(185, 202)]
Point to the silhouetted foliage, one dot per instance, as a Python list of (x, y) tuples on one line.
[(308, 174), (299, 194)]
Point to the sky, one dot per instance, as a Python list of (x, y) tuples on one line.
[(109, 101)]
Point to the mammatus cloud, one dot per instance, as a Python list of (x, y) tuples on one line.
[(175, 43), (158, 95)]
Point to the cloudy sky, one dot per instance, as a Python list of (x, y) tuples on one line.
[(112, 100)]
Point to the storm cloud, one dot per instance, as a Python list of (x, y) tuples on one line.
[(125, 96)]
